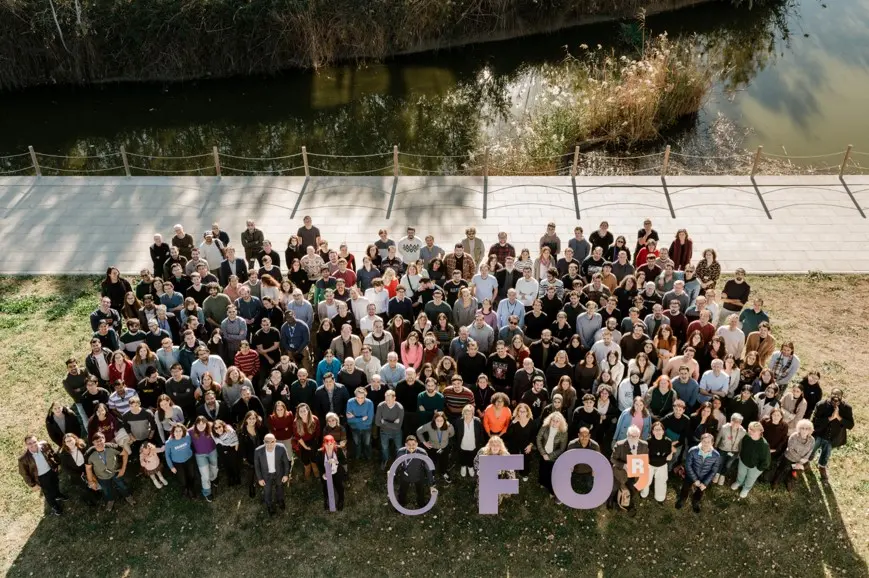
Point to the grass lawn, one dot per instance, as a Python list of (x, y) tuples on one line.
[(819, 530)]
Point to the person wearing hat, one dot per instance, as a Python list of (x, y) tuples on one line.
[(333, 461), (414, 473)]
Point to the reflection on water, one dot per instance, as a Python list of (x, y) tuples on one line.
[(789, 70)]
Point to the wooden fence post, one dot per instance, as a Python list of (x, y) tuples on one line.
[(666, 161), (35, 162), (756, 160), (395, 160), (575, 162), (216, 161), (126, 162), (845, 160), (305, 161)]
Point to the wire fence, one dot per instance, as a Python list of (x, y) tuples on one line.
[(485, 162)]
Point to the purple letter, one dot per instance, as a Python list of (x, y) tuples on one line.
[(390, 486), (491, 486), (602, 484), (330, 487)]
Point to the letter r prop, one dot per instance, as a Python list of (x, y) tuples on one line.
[(491, 486), (638, 467)]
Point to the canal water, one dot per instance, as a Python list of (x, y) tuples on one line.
[(793, 76)]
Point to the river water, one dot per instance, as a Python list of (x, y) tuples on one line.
[(794, 77)]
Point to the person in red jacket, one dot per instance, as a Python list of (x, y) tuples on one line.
[(281, 425), (681, 249), (122, 368)]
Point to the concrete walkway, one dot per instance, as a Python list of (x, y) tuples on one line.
[(783, 224)]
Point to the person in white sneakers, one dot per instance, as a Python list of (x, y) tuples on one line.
[(754, 459), (149, 460), (729, 442), (470, 435)]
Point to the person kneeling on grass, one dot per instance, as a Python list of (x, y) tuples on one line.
[(701, 464), (754, 459)]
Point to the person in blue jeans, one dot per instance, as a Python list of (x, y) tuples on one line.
[(389, 417), (105, 466), (360, 419), (832, 420), (205, 454)]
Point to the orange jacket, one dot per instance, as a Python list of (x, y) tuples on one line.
[(496, 425)]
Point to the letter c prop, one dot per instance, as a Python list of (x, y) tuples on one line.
[(390, 485)]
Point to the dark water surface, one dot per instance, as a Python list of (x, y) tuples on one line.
[(795, 73)]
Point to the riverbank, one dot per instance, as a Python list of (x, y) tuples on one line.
[(69, 42)]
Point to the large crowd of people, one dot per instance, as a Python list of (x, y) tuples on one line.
[(234, 364)]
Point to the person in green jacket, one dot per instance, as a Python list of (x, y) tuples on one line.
[(754, 459)]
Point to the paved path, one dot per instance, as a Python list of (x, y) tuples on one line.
[(83, 224)]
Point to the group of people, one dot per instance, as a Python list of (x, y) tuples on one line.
[(216, 368)]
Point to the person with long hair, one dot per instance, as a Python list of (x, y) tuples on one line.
[(661, 453), (115, 288), (681, 250), (660, 397), (179, 459), (703, 421), (497, 416), (521, 436), (142, 360), (251, 435), (132, 306), (551, 443), (228, 456), (435, 437), (72, 463), (205, 454), (637, 415), (494, 447), (793, 406), (306, 435), (708, 270)]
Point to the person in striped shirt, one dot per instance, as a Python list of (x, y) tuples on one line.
[(456, 397)]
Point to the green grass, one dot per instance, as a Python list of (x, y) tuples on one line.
[(819, 530)]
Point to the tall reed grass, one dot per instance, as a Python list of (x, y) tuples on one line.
[(597, 97)]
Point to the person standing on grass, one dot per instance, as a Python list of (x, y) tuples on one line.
[(754, 459), (701, 464), (272, 470), (105, 466), (833, 418), (629, 446), (435, 435), (414, 473), (180, 460), (39, 465)]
